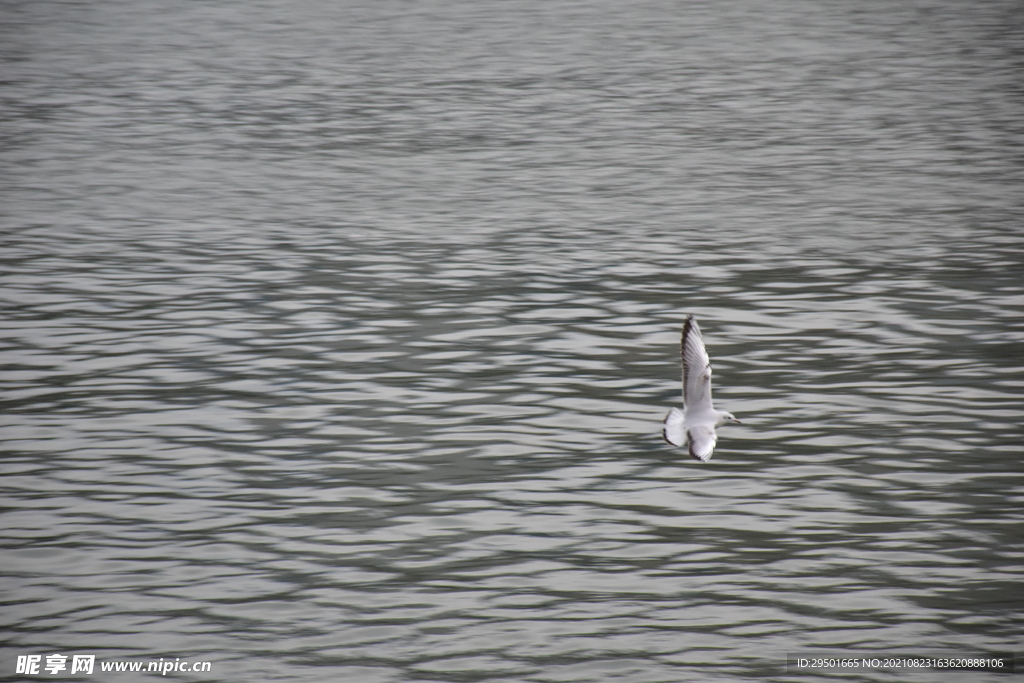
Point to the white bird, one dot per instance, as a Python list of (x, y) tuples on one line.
[(696, 425)]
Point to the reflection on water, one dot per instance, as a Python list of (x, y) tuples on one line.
[(337, 348)]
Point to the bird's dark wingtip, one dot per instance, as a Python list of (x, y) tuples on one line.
[(697, 457), (687, 326)]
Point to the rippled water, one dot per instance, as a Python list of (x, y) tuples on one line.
[(338, 337)]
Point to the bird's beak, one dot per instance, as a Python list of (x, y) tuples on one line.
[(736, 421)]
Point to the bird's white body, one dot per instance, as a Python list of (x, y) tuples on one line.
[(695, 424)]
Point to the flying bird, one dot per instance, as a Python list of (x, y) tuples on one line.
[(695, 424)]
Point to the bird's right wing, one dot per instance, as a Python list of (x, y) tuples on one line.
[(702, 442), (696, 369)]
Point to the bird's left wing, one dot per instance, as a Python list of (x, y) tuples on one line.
[(696, 369)]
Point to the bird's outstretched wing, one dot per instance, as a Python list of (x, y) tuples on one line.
[(696, 369), (702, 442), (673, 431)]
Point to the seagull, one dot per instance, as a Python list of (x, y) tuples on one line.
[(696, 425)]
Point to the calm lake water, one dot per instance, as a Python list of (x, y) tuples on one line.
[(338, 336)]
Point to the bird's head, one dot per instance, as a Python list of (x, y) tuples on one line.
[(726, 418)]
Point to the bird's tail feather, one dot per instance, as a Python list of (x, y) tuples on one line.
[(673, 431)]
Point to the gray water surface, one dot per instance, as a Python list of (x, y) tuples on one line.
[(337, 337)]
